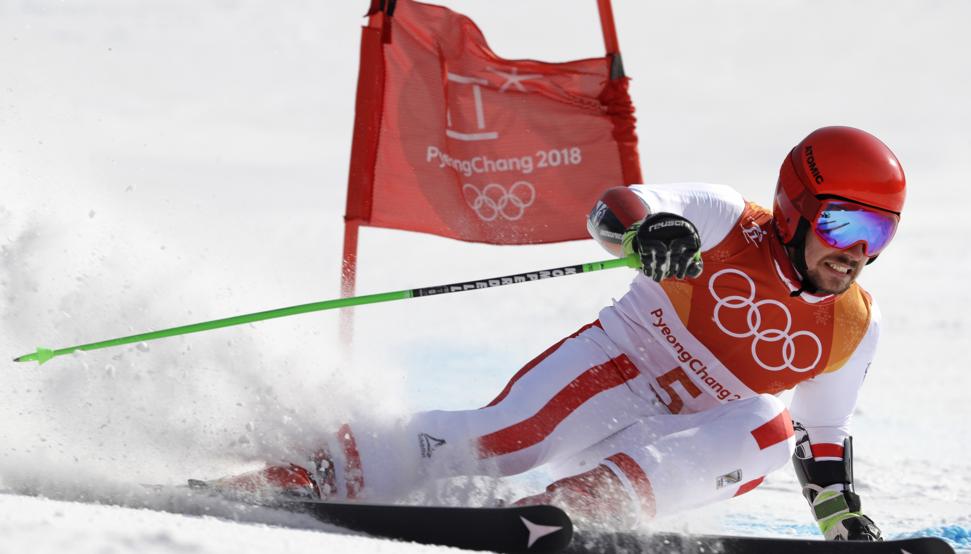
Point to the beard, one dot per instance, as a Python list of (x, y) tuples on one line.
[(819, 279), (828, 282), (826, 286)]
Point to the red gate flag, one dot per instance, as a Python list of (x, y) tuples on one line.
[(451, 139)]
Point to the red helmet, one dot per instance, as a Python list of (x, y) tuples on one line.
[(836, 162)]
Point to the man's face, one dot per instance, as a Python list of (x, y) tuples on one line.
[(832, 270)]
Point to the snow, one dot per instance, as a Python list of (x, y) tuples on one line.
[(172, 161), (42, 525)]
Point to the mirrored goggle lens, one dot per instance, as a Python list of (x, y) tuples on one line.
[(843, 224)]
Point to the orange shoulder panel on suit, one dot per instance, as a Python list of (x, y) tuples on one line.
[(852, 320)]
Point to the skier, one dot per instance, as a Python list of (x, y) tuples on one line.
[(668, 401)]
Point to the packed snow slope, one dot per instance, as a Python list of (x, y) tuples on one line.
[(164, 162)]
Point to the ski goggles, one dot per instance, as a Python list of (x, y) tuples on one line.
[(843, 224)]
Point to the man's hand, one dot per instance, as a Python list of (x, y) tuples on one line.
[(668, 245)]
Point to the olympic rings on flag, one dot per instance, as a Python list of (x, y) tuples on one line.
[(754, 323), (494, 201)]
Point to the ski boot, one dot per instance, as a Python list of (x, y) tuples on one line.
[(313, 481)]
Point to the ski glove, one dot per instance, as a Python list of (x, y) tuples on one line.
[(840, 519), (668, 245)]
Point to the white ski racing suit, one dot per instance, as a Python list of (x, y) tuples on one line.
[(668, 400)]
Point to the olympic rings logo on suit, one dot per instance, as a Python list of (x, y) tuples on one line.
[(494, 201), (753, 320)]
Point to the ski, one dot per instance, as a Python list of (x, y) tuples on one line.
[(548, 529), (509, 529), (544, 529), (671, 543)]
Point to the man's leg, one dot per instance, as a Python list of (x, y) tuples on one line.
[(570, 397), (670, 463), (573, 395)]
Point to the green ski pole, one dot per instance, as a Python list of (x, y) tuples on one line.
[(44, 354)]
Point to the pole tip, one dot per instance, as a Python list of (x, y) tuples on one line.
[(42, 355)]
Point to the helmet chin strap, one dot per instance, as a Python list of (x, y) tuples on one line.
[(797, 255)]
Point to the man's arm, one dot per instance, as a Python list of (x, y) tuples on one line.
[(617, 210), (713, 209), (668, 244), (821, 409)]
